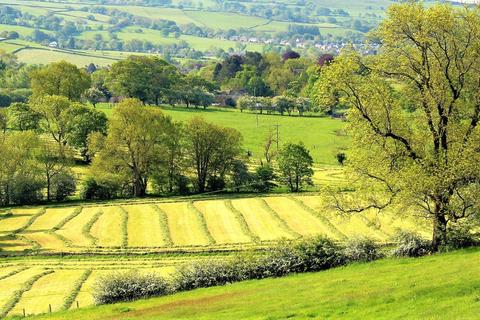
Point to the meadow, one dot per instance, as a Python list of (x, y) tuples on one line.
[(385, 289), (323, 136)]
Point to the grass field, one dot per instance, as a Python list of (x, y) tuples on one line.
[(208, 17), (325, 136), (61, 283), (188, 225), (436, 287), (45, 56)]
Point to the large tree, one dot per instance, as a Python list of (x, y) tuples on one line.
[(83, 121), (414, 114), (54, 113), (135, 143), (142, 77), (61, 79)]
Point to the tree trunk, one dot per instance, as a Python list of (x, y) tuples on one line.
[(439, 238), (139, 187), (48, 188)]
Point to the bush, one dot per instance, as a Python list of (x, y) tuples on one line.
[(63, 185), (362, 250), (230, 102), (411, 244), (207, 274), (304, 256), (128, 286), (277, 262), (263, 177), (26, 189), (460, 236), (93, 189), (341, 157), (319, 253)]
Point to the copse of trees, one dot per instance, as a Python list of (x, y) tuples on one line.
[(153, 80), (143, 144)]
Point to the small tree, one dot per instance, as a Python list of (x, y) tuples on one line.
[(295, 164), (240, 175), (245, 103), (264, 177), (94, 96), (268, 151), (284, 103)]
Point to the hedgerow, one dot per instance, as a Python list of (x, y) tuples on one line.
[(289, 257)]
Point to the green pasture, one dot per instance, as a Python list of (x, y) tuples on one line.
[(45, 56), (320, 135)]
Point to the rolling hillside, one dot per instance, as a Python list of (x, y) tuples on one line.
[(421, 288), (154, 236)]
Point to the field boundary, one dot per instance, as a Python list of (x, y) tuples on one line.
[(86, 229), (76, 290), (124, 226), (65, 220)]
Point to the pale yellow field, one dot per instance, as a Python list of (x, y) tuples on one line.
[(51, 289), (54, 288), (15, 245), (158, 226), (11, 284), (72, 230), (259, 220), (50, 218), (221, 222), (297, 218), (108, 228), (144, 228), (184, 224), (17, 220), (5, 270), (368, 224), (47, 241)]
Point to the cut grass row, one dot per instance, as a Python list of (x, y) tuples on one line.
[(195, 225), (34, 285)]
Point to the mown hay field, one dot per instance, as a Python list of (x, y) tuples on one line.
[(77, 244), (154, 236), (37, 285), (187, 225)]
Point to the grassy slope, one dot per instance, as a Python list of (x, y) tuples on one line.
[(318, 134), (437, 287)]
